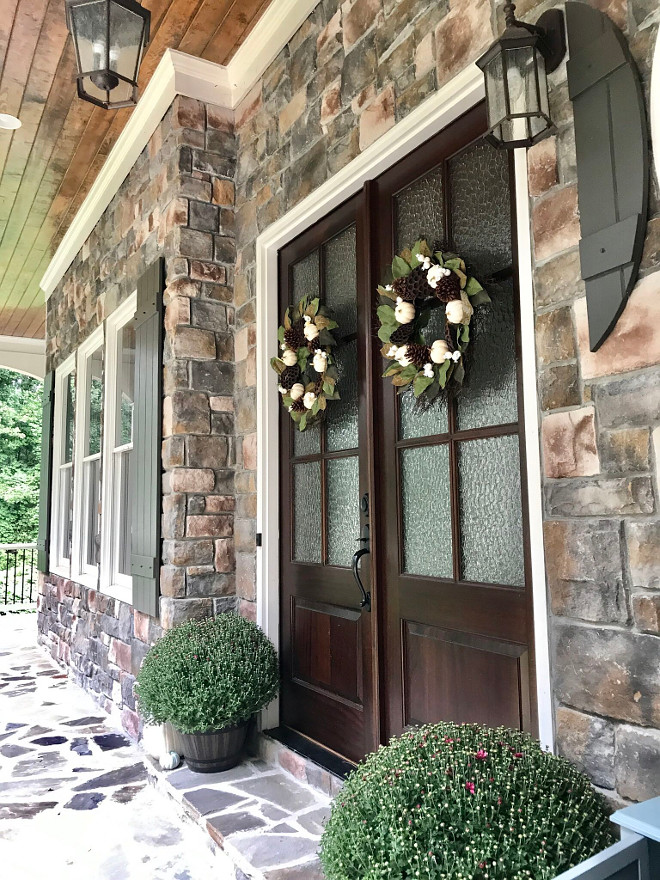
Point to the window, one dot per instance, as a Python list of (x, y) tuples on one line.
[(87, 485), (63, 449), (118, 447)]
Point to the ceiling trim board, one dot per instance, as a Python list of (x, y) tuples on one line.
[(177, 73)]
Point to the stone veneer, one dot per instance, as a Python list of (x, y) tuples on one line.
[(348, 75), (178, 201)]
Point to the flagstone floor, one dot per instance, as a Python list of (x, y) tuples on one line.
[(75, 800)]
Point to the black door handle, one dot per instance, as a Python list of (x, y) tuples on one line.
[(366, 597)]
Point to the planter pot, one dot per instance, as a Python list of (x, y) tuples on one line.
[(214, 750)]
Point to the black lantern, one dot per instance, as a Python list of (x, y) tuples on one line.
[(110, 37), (515, 69)]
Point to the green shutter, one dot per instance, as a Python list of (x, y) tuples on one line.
[(147, 429), (43, 540)]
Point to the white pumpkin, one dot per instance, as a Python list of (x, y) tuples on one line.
[(290, 358), (404, 312), (320, 361), (311, 331), (309, 399), (438, 351), (169, 760), (456, 312), (297, 391)]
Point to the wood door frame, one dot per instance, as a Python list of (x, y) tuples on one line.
[(435, 113)]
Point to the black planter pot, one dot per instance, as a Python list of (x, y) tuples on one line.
[(214, 750)]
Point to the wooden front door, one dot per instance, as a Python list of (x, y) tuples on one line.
[(438, 492)]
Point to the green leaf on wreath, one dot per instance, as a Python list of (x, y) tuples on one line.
[(472, 286), (315, 407), (325, 337), (480, 298), (392, 370), (303, 354), (399, 381), (464, 333), (443, 371), (303, 422), (390, 294), (453, 264), (432, 391), (287, 401), (280, 334), (421, 383), (400, 268), (332, 373), (278, 365), (459, 373), (312, 308), (384, 332), (386, 314), (409, 372), (421, 247)]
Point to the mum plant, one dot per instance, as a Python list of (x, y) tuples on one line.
[(462, 802), (208, 674)]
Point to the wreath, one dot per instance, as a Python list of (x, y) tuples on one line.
[(307, 374), (423, 281)]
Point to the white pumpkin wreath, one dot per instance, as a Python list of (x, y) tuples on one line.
[(423, 281)]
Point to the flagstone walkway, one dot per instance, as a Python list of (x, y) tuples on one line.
[(75, 800)]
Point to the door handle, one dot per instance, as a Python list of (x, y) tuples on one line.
[(366, 597)]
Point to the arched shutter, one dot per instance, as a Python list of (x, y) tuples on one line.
[(147, 430), (43, 540)]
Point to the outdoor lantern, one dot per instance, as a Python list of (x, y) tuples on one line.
[(109, 37), (515, 68)]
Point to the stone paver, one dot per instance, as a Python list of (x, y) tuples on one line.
[(74, 798)]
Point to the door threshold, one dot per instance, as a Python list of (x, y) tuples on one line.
[(312, 751)]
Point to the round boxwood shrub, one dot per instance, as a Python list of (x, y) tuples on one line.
[(208, 674), (462, 802)]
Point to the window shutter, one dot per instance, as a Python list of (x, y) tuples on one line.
[(147, 430), (43, 540)]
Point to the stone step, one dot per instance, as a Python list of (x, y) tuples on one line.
[(266, 815)]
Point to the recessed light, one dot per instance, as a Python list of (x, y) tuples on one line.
[(8, 121)]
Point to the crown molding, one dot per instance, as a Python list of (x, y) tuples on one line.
[(177, 74), (23, 355)]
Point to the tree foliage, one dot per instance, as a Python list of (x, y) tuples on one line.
[(20, 456)]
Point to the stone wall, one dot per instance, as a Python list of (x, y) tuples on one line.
[(178, 201), (350, 73)]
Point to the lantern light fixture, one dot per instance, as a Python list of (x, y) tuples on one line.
[(515, 69), (109, 37)]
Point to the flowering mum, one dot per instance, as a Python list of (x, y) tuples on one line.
[(451, 802)]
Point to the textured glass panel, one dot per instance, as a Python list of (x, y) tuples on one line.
[(305, 275), (307, 512), (94, 400), (340, 272), (490, 508), (342, 414), (420, 421), (489, 393), (92, 531), (419, 211), (125, 384), (481, 208), (307, 442), (65, 511), (343, 509), (426, 511), (69, 415)]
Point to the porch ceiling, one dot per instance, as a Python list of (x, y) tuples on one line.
[(48, 165)]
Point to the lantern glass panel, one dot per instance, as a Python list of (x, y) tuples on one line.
[(125, 41), (495, 90), (90, 28)]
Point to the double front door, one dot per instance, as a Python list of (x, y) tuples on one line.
[(441, 626)]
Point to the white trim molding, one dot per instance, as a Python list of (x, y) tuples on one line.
[(177, 74), (434, 114), (23, 355)]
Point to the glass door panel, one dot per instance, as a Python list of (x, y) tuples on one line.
[(426, 511)]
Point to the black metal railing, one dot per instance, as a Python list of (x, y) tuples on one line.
[(18, 574)]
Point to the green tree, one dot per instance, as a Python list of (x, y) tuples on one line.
[(20, 456)]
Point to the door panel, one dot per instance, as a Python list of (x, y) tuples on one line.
[(436, 664), (457, 623), (327, 640)]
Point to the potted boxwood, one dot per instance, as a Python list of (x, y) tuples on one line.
[(207, 679), (463, 802)]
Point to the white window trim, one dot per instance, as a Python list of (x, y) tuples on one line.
[(80, 572), (113, 584), (435, 113), (58, 566)]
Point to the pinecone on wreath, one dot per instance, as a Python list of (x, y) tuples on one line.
[(298, 406), (294, 336), (289, 377), (402, 334), (413, 286), (448, 288), (418, 354)]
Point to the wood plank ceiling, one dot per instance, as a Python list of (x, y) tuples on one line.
[(48, 165)]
